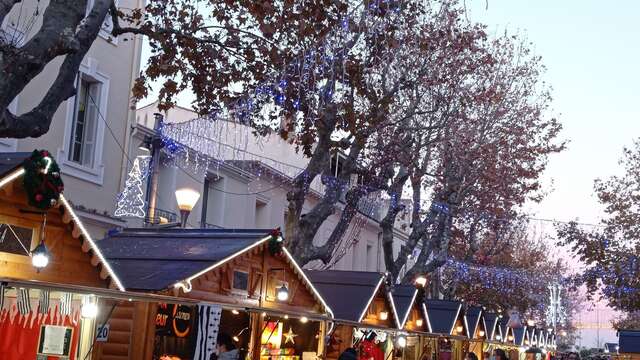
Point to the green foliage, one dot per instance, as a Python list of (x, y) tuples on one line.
[(42, 180)]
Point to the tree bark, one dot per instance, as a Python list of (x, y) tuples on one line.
[(5, 7), (65, 31), (387, 224)]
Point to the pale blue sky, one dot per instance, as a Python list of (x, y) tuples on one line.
[(591, 49)]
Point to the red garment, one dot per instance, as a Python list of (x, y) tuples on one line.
[(370, 351)]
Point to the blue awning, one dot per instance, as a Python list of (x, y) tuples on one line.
[(472, 318), (154, 259), (441, 315), (403, 297), (629, 341), (348, 293), (490, 325)]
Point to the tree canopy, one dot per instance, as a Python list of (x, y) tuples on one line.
[(450, 125), (611, 251)]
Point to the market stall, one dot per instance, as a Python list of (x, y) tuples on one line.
[(474, 321), (54, 281), (248, 287), (408, 304), (364, 312), (492, 336), (508, 339), (446, 320)]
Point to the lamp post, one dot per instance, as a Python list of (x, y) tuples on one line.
[(152, 186), (187, 199)]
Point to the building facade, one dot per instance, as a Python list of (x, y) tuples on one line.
[(88, 131), (248, 188)]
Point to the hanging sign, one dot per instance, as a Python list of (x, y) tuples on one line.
[(174, 320), (55, 340), (102, 333)]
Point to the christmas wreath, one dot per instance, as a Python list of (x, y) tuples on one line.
[(275, 243), (42, 180)]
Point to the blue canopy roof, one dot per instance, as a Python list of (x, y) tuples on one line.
[(155, 259), (442, 315), (348, 293), (519, 335), (11, 161), (629, 341), (472, 316), (503, 326), (490, 324), (403, 297)]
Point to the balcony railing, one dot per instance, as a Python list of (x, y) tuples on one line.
[(161, 217), (206, 225)]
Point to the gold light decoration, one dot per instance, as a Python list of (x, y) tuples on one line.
[(289, 336)]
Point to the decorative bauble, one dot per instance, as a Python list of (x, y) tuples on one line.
[(53, 202), (39, 197)]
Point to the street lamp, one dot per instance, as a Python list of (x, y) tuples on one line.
[(187, 199), (282, 293), (40, 257)]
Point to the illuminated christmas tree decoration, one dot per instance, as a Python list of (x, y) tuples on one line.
[(131, 201)]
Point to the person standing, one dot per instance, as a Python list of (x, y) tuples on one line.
[(226, 348)]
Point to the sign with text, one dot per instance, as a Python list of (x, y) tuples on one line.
[(55, 340), (102, 333)]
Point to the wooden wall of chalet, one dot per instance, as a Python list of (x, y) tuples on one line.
[(124, 343), (379, 304), (69, 264), (412, 320), (341, 339), (216, 285), (135, 324)]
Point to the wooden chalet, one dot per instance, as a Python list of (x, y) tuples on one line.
[(51, 272), (235, 276), (628, 345), (362, 307)]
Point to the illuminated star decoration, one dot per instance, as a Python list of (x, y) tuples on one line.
[(289, 336)]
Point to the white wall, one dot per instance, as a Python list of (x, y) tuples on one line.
[(115, 64)]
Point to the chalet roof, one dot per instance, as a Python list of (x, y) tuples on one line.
[(11, 161), (348, 293), (155, 259), (441, 315), (490, 324), (472, 318), (519, 335), (403, 297), (629, 341), (11, 170), (503, 326)]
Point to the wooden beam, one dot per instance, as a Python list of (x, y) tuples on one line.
[(104, 273), (76, 233), (95, 260), (66, 217), (85, 246)]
